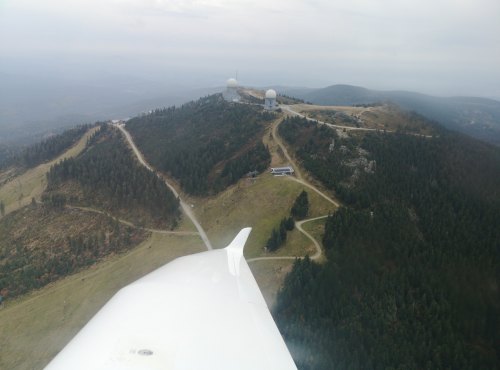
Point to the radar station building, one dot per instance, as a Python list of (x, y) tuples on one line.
[(270, 100), (231, 93)]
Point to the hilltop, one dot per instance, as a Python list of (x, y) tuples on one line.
[(477, 117), (206, 145)]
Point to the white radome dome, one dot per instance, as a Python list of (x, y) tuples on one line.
[(270, 94), (232, 83)]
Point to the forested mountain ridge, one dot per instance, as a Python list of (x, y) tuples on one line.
[(110, 179), (42, 151), (43, 242), (51, 147), (206, 144), (411, 280)]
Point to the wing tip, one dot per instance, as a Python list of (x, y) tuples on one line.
[(240, 240)]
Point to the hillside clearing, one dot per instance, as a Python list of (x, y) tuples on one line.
[(19, 191), (259, 203)]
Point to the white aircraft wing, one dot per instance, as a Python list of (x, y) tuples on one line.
[(203, 311)]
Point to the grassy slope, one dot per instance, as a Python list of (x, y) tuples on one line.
[(35, 327), (386, 117), (260, 203), (18, 192)]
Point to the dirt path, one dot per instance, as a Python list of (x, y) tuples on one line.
[(128, 223), (301, 180), (347, 128), (187, 210), (288, 109), (278, 141)]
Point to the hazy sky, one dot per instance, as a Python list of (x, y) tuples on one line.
[(443, 47)]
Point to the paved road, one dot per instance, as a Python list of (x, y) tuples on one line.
[(187, 210)]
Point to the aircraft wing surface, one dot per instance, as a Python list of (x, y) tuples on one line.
[(203, 311)]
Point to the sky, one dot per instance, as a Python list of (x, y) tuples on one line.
[(440, 47)]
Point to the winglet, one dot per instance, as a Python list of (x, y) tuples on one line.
[(235, 251)]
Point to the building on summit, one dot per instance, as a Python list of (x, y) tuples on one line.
[(231, 93), (282, 171), (270, 100)]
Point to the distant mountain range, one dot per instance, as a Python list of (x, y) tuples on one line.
[(477, 117)]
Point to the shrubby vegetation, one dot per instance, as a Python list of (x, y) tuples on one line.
[(411, 280), (112, 179), (207, 144), (55, 243)]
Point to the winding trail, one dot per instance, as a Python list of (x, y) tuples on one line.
[(277, 139), (187, 210), (349, 128), (312, 187), (298, 224), (128, 223)]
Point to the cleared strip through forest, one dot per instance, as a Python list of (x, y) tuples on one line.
[(184, 206)]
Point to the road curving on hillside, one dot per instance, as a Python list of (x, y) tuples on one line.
[(298, 224), (186, 209)]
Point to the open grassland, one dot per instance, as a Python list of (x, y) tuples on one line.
[(383, 117), (18, 191), (35, 327), (260, 203)]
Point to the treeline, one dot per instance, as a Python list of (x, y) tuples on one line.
[(278, 235), (311, 140), (26, 267), (299, 211), (287, 99), (111, 178), (206, 144), (7, 156), (411, 263), (256, 159), (52, 147)]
